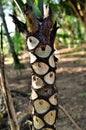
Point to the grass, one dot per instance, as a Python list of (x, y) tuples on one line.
[(19, 66), (82, 94)]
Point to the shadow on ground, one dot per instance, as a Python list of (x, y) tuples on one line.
[(71, 84)]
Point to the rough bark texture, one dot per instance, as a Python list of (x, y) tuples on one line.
[(44, 95), (7, 98), (40, 41)]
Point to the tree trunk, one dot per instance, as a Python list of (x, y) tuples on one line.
[(80, 10), (15, 57), (44, 95), (40, 42), (7, 97), (6, 92)]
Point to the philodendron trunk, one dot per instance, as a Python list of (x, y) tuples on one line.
[(40, 40), (43, 95)]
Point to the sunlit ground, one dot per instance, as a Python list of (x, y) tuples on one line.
[(70, 82), (8, 60), (65, 55)]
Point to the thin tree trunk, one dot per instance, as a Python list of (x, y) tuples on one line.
[(80, 10), (15, 57), (6, 92), (13, 122)]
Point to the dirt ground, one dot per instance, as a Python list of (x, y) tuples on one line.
[(71, 85)]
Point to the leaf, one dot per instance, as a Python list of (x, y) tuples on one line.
[(55, 9), (19, 4), (46, 2), (36, 10)]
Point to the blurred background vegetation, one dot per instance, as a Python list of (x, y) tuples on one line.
[(71, 33)]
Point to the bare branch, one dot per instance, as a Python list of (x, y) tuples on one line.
[(20, 25)]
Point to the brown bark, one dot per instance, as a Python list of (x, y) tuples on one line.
[(40, 42), (80, 10), (7, 98)]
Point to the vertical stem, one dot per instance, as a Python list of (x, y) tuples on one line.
[(16, 60), (6, 92), (44, 94), (8, 99), (40, 42)]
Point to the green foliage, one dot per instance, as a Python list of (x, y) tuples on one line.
[(82, 94), (36, 2), (46, 2), (1, 115), (55, 11), (71, 31), (19, 42), (40, 5), (19, 4), (36, 10), (19, 66)]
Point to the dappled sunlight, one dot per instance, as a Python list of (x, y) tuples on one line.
[(71, 69), (70, 79), (71, 61), (8, 60), (23, 57)]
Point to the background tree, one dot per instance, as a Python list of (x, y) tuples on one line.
[(11, 44), (80, 9), (6, 91)]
